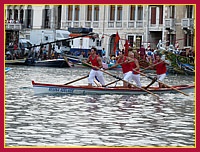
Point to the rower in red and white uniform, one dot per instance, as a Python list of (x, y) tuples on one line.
[(135, 67), (96, 62), (161, 69), (126, 68)]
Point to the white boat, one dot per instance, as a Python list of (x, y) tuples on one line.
[(45, 88)]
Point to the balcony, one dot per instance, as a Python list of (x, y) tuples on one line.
[(88, 23), (95, 24), (131, 24), (67, 24), (139, 24), (118, 24), (187, 23), (135, 24), (13, 26), (76, 24), (170, 24), (111, 24)]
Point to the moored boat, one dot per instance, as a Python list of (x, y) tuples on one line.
[(15, 62), (187, 68), (60, 63), (45, 88)]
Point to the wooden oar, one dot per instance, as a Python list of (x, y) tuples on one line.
[(120, 79), (97, 83), (161, 82), (151, 66), (67, 61), (76, 80)]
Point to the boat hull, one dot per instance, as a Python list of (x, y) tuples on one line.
[(58, 63), (41, 88), (15, 62)]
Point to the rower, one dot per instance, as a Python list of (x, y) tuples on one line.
[(126, 68), (135, 67), (96, 62), (160, 70)]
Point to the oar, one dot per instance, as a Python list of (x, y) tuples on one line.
[(152, 82), (67, 61), (161, 82), (111, 83), (121, 79), (120, 64), (97, 83), (151, 66), (76, 80)]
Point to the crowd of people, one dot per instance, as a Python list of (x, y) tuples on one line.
[(36, 52)]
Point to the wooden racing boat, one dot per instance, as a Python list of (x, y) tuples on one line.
[(42, 88)]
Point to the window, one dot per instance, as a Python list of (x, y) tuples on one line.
[(47, 18), (188, 39), (132, 12), (112, 12), (131, 40), (89, 13), (172, 11), (98, 43), (29, 18), (140, 12), (10, 14), (21, 16), (160, 14), (119, 12), (15, 14), (153, 15), (189, 11), (69, 13), (76, 14), (96, 12)]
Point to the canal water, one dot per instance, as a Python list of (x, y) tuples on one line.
[(94, 120)]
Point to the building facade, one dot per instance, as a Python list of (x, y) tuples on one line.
[(140, 24)]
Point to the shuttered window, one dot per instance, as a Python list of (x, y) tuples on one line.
[(153, 15), (119, 12), (112, 12), (161, 15), (96, 12), (89, 13), (189, 11), (70, 10), (140, 12), (76, 14), (132, 12)]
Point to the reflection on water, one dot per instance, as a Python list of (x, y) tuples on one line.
[(98, 120)]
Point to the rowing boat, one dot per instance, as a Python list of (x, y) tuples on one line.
[(45, 88)]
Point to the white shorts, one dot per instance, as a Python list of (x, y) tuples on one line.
[(136, 78), (98, 74), (127, 76), (161, 76)]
